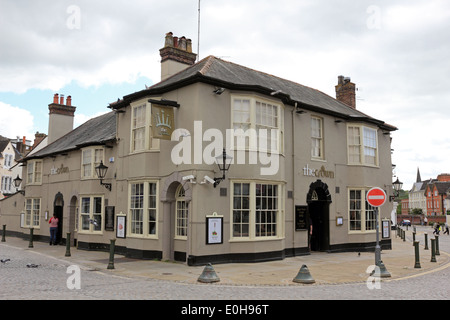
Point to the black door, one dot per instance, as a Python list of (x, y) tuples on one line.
[(58, 210), (320, 238)]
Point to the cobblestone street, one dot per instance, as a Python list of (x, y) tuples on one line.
[(31, 275)]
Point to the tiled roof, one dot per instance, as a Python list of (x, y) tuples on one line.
[(233, 76), (96, 131)]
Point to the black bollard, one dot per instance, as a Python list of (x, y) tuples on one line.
[(4, 233), (403, 235), (437, 245), (433, 248), (68, 245), (416, 250), (426, 241), (30, 244), (111, 254), (414, 237)]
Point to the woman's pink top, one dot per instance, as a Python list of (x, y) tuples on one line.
[(53, 222)]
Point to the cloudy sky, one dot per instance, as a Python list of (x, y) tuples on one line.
[(397, 53)]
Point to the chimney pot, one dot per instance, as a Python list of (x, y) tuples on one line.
[(169, 40), (55, 98), (175, 42), (182, 43), (346, 91), (61, 99), (188, 45), (69, 101)]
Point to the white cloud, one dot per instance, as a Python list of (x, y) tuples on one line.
[(15, 122)]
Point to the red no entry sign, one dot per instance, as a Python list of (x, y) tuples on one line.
[(376, 197)]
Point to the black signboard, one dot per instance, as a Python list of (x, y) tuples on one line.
[(109, 218), (301, 217)]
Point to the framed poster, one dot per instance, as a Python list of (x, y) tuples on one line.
[(121, 227), (214, 226), (301, 218), (386, 229)]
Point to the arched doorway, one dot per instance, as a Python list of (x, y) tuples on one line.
[(58, 210), (319, 199), (176, 197)]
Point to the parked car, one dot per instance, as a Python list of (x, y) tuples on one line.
[(406, 223)]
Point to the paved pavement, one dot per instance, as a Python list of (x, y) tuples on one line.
[(324, 268)]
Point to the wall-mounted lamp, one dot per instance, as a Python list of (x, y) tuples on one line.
[(17, 182), (397, 185), (101, 170), (224, 162)]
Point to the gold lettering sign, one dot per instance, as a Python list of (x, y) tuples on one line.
[(162, 122)]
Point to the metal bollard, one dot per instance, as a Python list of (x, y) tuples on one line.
[(414, 237), (433, 249), (403, 235), (68, 245), (111, 254), (30, 244), (426, 241), (437, 245), (416, 250), (4, 233)]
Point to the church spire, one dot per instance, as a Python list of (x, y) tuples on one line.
[(418, 179)]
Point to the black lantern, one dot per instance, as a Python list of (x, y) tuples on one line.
[(223, 162), (101, 170), (397, 185), (17, 182)]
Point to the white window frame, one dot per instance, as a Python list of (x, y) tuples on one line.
[(253, 211), (149, 204), (181, 214), (144, 125), (32, 213), (317, 139), (361, 146), (90, 158), (366, 211), (6, 184), (91, 216), (247, 113), (34, 172)]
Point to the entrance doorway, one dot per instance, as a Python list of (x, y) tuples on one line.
[(319, 200), (58, 206)]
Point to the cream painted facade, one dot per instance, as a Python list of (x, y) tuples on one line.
[(327, 161)]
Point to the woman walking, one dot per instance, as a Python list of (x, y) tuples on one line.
[(53, 229)]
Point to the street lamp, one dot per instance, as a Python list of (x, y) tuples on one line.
[(17, 182), (101, 170), (397, 185), (223, 162)]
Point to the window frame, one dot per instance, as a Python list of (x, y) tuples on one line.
[(253, 123), (92, 161), (181, 214), (367, 221), (36, 176), (253, 211), (91, 214), (320, 139), (146, 209), (149, 143), (362, 145), (32, 218)]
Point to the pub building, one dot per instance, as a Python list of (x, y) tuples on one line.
[(216, 163)]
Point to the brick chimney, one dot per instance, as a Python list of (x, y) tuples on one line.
[(60, 117), (345, 91), (176, 55)]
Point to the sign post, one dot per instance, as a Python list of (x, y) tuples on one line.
[(376, 197)]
